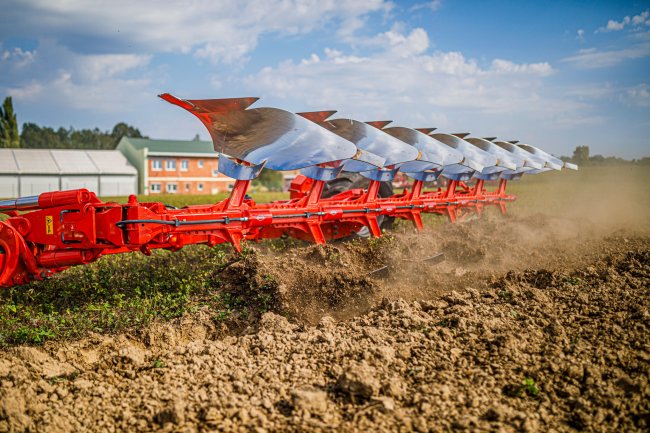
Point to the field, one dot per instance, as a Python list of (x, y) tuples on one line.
[(536, 321)]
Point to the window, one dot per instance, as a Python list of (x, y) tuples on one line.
[(199, 187), (185, 165), (200, 163), (156, 165), (170, 164), (172, 188), (154, 188), (215, 172), (188, 186)]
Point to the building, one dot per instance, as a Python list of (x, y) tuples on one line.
[(175, 166), (25, 172)]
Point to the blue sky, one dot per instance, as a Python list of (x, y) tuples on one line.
[(554, 74)]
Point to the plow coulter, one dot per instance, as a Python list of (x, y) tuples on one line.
[(344, 189)]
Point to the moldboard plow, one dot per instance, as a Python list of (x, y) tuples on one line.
[(344, 189)]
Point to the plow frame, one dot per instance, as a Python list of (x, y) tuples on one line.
[(66, 228)]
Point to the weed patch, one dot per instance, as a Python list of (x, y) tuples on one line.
[(115, 293)]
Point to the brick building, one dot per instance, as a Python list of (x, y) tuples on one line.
[(175, 166)]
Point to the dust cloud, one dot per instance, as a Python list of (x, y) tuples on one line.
[(559, 221)]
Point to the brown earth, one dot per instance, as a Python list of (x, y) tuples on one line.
[(530, 324)]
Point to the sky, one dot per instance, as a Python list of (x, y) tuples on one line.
[(554, 74)]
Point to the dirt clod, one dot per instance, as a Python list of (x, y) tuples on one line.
[(309, 399), (173, 413), (358, 381)]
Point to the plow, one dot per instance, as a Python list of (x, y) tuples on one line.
[(343, 189)]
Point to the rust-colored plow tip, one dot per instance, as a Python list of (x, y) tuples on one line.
[(461, 135), (489, 138), (215, 106), (426, 130), (379, 124), (317, 116)]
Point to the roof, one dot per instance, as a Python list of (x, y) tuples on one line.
[(111, 162), (33, 161), (64, 161), (170, 147)]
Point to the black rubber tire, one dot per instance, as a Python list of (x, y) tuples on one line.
[(347, 181), (336, 186)]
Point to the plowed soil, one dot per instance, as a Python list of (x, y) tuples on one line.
[(531, 323)]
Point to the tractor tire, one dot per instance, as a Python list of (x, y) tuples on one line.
[(347, 181)]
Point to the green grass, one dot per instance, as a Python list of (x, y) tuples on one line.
[(530, 387), (180, 200), (116, 293)]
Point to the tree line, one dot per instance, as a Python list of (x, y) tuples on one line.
[(34, 136), (582, 157)]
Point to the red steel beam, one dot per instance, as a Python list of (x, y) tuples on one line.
[(68, 228)]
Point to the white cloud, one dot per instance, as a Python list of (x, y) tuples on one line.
[(109, 68), (591, 91), (592, 58), (432, 89), (432, 5), (57, 76), (336, 57), (27, 92), (541, 69), (642, 19), (580, 34), (613, 26), (409, 45), (17, 57), (107, 72), (95, 68), (100, 64), (64, 90), (412, 86), (222, 31), (639, 95)]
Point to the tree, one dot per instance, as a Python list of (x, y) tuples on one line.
[(598, 159), (581, 155), (271, 179), (123, 130), (91, 139), (9, 136), (37, 137)]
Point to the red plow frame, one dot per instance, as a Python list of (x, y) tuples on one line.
[(67, 228)]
